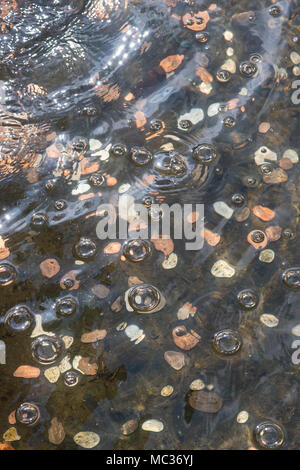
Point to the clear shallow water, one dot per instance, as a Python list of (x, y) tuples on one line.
[(77, 78)]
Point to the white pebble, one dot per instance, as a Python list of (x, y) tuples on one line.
[(213, 109), (269, 320), (222, 269), (264, 153), (81, 188), (133, 332), (87, 439), (153, 425), (228, 35), (205, 88), (291, 155), (266, 256), (170, 261), (223, 209), (295, 57), (195, 115), (229, 65), (197, 384), (296, 330), (242, 417)]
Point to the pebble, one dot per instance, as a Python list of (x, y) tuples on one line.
[(52, 374), (167, 391), (242, 417), (296, 330), (295, 57), (266, 256), (81, 189), (264, 153), (129, 427), (229, 65), (263, 213), (170, 261), (124, 187), (85, 367), (194, 116), (223, 209), (27, 372), (243, 92), (222, 269), (65, 365), (264, 127), (229, 51), (207, 402), (213, 109), (205, 88), (184, 339), (93, 336), (68, 340), (185, 311), (38, 329), (175, 359), (296, 71), (228, 35), (269, 320), (133, 332), (11, 435), (153, 425), (291, 155), (87, 439), (277, 176), (56, 432), (197, 384)]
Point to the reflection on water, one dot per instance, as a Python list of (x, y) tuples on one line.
[(144, 344)]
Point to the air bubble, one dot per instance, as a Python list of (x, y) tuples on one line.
[(19, 319), (205, 154), (28, 413), (119, 150), (96, 179), (229, 121), (274, 10), (66, 306), (156, 125), (291, 278), (60, 205), (247, 299), (144, 298), (137, 250), (202, 37), (257, 236), (269, 435), (238, 199), (170, 163), (85, 249), (185, 124), (7, 274), (46, 349), (39, 221), (248, 69), (140, 156), (223, 76), (71, 378), (227, 342)]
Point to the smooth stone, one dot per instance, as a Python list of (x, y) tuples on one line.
[(213, 109), (266, 256), (153, 425), (87, 439), (194, 116), (170, 261), (11, 435), (269, 320), (296, 330), (223, 209), (175, 359), (292, 155), (229, 65), (295, 57), (65, 365), (52, 374), (81, 189), (222, 269), (264, 153), (242, 417), (197, 384), (133, 332), (129, 427), (167, 391)]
